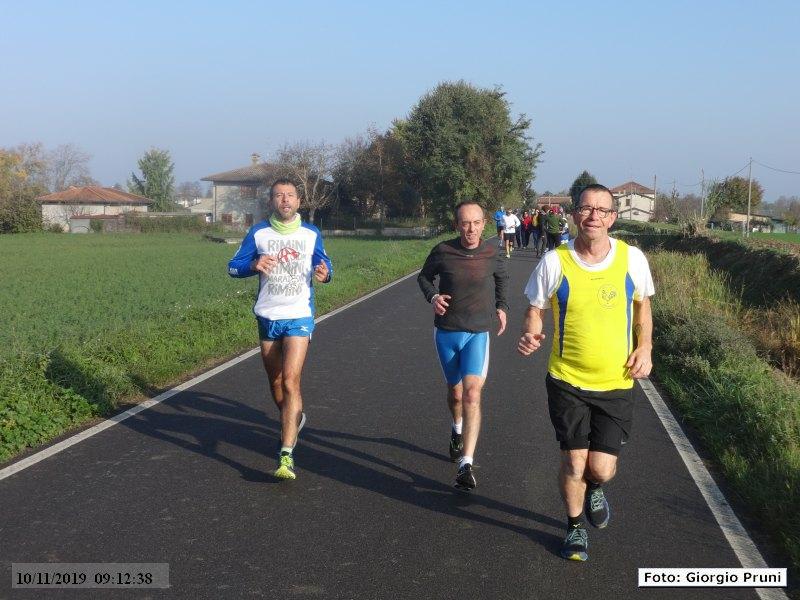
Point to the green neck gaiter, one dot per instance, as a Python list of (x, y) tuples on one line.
[(284, 228)]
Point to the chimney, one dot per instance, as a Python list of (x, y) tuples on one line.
[(255, 157)]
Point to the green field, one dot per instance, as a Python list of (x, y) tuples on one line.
[(70, 288), (94, 320)]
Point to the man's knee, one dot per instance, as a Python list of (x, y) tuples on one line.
[(471, 395), (573, 463), (290, 384), (601, 467)]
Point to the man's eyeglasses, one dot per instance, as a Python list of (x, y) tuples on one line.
[(585, 211)]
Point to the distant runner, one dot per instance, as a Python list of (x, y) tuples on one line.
[(471, 291), (599, 289), (285, 253), (500, 224), (510, 225)]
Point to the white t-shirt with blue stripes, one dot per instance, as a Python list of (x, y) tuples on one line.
[(286, 292)]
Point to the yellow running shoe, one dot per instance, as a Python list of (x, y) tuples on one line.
[(285, 469)]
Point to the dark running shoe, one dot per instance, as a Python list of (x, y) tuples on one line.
[(456, 446), (465, 480), (575, 544), (597, 509)]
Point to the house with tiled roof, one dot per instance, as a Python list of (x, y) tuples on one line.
[(239, 196), (88, 201), (634, 201), (548, 202)]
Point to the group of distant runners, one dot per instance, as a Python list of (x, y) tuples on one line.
[(599, 289), (544, 228)]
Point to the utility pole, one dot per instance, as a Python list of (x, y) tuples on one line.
[(702, 193), (653, 208), (749, 193)]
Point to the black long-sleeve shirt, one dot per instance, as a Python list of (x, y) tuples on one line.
[(475, 279)]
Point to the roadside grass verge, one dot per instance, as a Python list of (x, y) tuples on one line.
[(746, 411), (95, 321)]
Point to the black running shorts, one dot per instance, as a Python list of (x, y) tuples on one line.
[(599, 421), (509, 237)]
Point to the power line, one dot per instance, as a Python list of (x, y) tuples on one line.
[(747, 164), (776, 169)]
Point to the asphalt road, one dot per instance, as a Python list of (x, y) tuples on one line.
[(373, 513)]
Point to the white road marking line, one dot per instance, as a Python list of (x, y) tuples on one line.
[(31, 460), (733, 530)]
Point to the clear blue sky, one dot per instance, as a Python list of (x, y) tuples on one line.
[(626, 90)]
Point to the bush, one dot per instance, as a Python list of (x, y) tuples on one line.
[(167, 224)]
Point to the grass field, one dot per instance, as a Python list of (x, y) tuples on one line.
[(93, 320)]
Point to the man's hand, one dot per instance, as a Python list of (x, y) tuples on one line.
[(264, 263), (530, 343), (321, 272), (501, 315), (440, 303), (640, 363)]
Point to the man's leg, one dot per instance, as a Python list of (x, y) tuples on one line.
[(454, 393), (471, 402), (272, 357), (474, 362), (571, 480), (600, 468), (573, 490), (295, 349), (447, 344)]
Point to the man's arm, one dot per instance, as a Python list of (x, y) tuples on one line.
[(425, 279), (531, 339), (241, 265), (323, 268), (640, 362), (500, 287), (427, 276)]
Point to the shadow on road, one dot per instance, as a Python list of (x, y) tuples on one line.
[(205, 423)]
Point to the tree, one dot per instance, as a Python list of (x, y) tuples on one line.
[(581, 181), (66, 166), (311, 166), (674, 208), (732, 193), (369, 173), (19, 211), (188, 191), (157, 181), (460, 143)]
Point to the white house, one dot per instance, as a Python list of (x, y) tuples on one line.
[(634, 201), (239, 196), (91, 200)]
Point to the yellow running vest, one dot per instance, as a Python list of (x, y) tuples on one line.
[(593, 313)]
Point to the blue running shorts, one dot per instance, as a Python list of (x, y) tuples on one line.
[(462, 353), (281, 328)]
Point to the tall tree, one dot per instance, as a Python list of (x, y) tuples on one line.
[(311, 166), (581, 181), (731, 194), (157, 181), (462, 143)]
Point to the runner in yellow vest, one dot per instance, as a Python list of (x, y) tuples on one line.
[(599, 289)]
